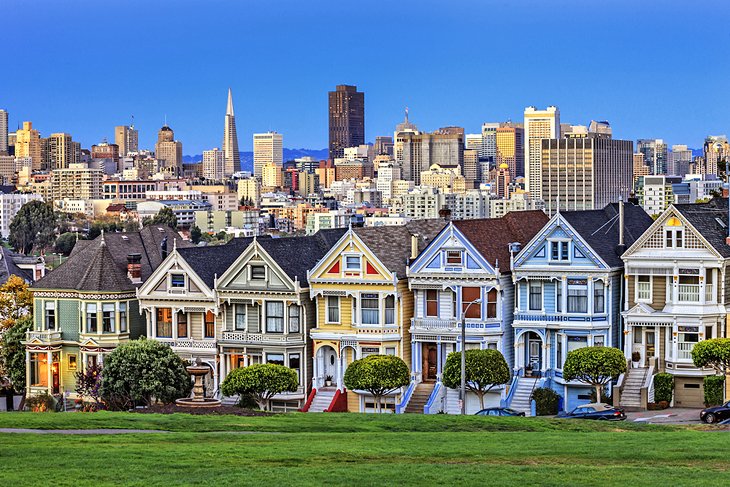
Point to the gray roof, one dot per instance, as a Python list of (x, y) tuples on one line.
[(600, 229), (9, 266), (212, 261), (711, 220), (101, 264)]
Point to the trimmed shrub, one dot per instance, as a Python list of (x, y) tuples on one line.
[(261, 382), (377, 374), (41, 403), (663, 387), (714, 390), (546, 401), (485, 369)]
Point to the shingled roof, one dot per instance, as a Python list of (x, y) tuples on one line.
[(392, 244), (8, 266), (711, 220), (101, 264), (492, 236), (600, 229), (212, 261)]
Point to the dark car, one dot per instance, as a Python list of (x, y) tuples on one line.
[(499, 412), (715, 413), (600, 411)]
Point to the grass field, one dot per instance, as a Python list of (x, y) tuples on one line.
[(338, 449)]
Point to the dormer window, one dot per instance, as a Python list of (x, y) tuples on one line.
[(352, 263), (559, 251), (177, 281), (258, 273), (453, 257)]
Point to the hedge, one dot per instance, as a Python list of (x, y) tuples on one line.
[(546, 401), (714, 390), (663, 387)]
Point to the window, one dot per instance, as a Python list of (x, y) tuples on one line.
[(240, 317), (123, 317), (258, 273), (333, 309), (708, 332), (369, 351), (598, 340), (275, 358), (469, 308), (432, 303), (108, 311), (559, 296), (390, 310), (369, 309), (91, 318), (687, 337), (209, 325), (643, 289), (637, 336), (577, 296), (576, 342), (39, 369), (50, 317), (294, 319), (673, 233), (453, 305), (453, 257), (559, 351), (689, 288), (535, 296), (389, 350), (182, 325), (295, 362), (164, 322), (559, 251), (352, 263), (492, 303), (274, 317), (599, 297), (177, 281)]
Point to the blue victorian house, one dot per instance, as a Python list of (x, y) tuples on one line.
[(568, 288)]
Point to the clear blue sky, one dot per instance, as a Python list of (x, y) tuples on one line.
[(652, 68)]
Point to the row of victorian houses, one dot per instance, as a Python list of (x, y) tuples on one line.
[(531, 287)]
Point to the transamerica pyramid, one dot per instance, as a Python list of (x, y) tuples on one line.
[(231, 156)]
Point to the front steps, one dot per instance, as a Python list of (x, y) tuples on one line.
[(419, 398), (631, 392), (322, 399), (522, 395)]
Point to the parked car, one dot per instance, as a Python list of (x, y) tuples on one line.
[(716, 413), (499, 412), (601, 411)]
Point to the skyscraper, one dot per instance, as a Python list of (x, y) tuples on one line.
[(3, 132), (539, 124), (231, 156), (716, 149), (61, 153), (127, 139), (169, 151), (416, 152), (213, 164), (268, 148), (509, 148), (28, 144), (655, 154), (346, 119)]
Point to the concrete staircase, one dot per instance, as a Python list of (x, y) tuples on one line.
[(419, 398), (521, 398), (322, 399), (631, 392)]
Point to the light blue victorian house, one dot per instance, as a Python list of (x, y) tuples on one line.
[(568, 286), (463, 273)]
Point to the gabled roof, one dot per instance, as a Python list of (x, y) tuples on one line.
[(8, 266), (209, 262), (101, 264), (600, 229), (492, 236), (392, 244), (704, 218)]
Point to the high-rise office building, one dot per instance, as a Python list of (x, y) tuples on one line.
[(472, 172), (3, 132), (346, 119), (509, 148), (716, 149), (268, 148), (384, 145), (501, 187), (655, 154), (640, 168), (416, 152), (168, 151), (679, 160), (585, 173), (28, 144), (231, 156), (214, 163), (60, 151), (489, 141), (127, 139), (539, 125)]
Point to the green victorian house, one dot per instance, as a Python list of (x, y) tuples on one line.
[(87, 306)]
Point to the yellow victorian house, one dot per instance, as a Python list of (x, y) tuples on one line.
[(364, 307)]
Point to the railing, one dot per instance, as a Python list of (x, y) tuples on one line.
[(511, 392), (400, 408), (684, 351), (538, 316), (44, 336), (243, 336), (188, 343), (709, 293), (435, 403), (436, 324), (688, 293)]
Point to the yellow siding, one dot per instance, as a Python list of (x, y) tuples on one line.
[(405, 320), (353, 402)]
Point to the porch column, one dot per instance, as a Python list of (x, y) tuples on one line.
[(703, 283), (517, 354), (49, 369), (439, 356), (27, 371), (339, 370), (174, 324), (591, 291), (675, 341), (315, 370), (545, 349), (628, 345)]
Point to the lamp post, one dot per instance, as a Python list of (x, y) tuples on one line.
[(463, 353)]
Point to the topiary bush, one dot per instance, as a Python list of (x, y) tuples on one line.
[(663, 387), (378, 374), (546, 401), (260, 382), (714, 390)]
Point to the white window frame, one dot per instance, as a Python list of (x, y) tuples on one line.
[(563, 246), (328, 308), (184, 282), (542, 295), (637, 297), (256, 279), (346, 265), (452, 264)]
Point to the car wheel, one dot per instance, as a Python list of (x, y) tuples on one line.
[(710, 418)]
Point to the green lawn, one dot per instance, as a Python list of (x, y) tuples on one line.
[(347, 449)]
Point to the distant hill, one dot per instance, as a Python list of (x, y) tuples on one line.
[(289, 154)]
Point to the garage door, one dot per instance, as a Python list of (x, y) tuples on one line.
[(688, 393)]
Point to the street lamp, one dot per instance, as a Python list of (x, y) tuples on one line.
[(463, 353)]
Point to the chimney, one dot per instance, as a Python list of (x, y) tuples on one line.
[(414, 247), (445, 213), (134, 268), (163, 248)]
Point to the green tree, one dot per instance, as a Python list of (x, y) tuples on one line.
[(485, 369), (261, 382), (714, 353), (12, 352), (195, 234), (377, 374), (34, 227), (594, 365), (164, 217), (143, 371), (65, 243)]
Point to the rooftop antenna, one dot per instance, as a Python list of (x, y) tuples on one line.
[(132, 121), (166, 120)]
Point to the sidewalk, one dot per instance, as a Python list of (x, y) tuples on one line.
[(666, 416)]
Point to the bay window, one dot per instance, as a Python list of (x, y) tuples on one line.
[(432, 303), (91, 318), (209, 325), (643, 289), (294, 319), (369, 309), (599, 297), (108, 311), (492, 303), (576, 342), (39, 369), (390, 310), (275, 358), (687, 337), (240, 317), (295, 362), (274, 317), (535, 295), (50, 315), (577, 296), (123, 326), (469, 308), (333, 309), (182, 325), (164, 323)]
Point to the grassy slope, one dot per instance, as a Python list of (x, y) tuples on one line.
[(360, 449)]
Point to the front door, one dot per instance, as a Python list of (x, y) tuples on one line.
[(429, 364), (534, 344), (649, 345), (56, 378)]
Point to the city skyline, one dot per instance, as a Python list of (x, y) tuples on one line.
[(586, 71)]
